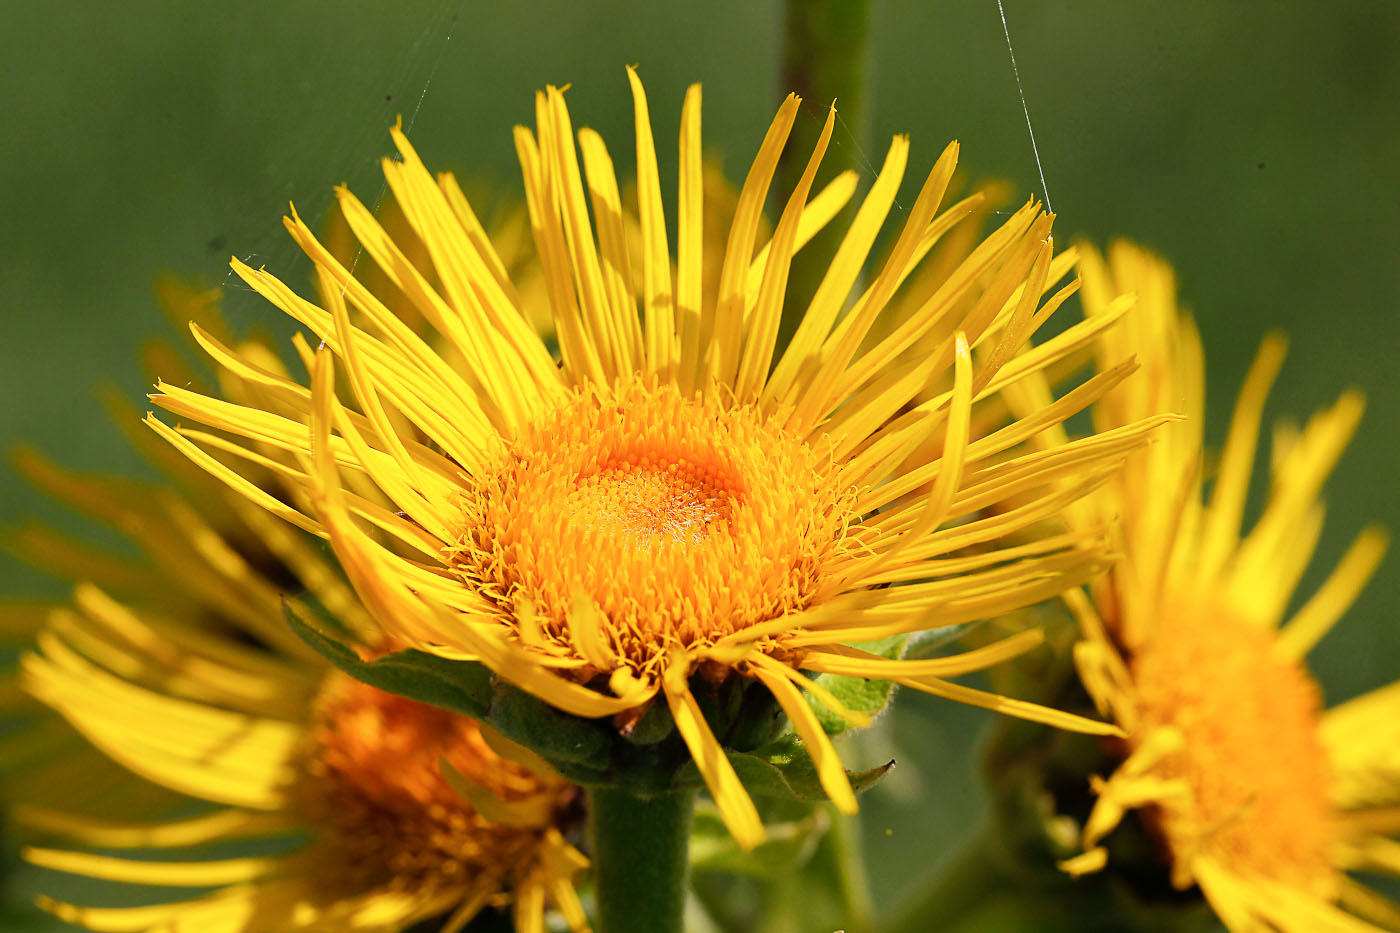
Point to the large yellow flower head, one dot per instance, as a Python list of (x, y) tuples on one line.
[(190, 680), (671, 502), (1259, 796)]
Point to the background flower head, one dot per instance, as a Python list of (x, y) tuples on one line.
[(189, 681), (1259, 796)]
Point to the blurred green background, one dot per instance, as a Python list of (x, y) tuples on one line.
[(1255, 146)]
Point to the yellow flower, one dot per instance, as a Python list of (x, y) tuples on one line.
[(1261, 797), (192, 682), (672, 502)]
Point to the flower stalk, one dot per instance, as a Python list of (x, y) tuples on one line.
[(825, 59), (640, 856)]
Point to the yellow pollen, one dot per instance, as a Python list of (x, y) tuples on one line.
[(680, 520), (1252, 758), (375, 787)]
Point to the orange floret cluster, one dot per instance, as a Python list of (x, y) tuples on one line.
[(680, 520)]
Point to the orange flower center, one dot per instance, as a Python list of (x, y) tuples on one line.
[(681, 520), (1256, 769), (649, 499), (373, 782)]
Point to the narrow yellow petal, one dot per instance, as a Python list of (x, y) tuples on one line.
[(853, 662), (1362, 738), (612, 248), (117, 834), (761, 329), (733, 801), (529, 812), (1221, 533), (1327, 605), (472, 905), (690, 243), (829, 770), (842, 275), (950, 466), (581, 356), (1012, 707), (728, 325), (1369, 904), (586, 628), (402, 479), (566, 899), (529, 906), (658, 302), (1086, 863), (561, 159), (178, 874), (525, 672), (814, 689), (819, 211), (826, 384), (513, 359)]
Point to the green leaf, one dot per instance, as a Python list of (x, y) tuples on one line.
[(577, 748), (928, 644), (789, 756), (461, 686), (859, 694)]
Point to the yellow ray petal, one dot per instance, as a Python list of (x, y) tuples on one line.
[(828, 763), (612, 249), (561, 160), (119, 834), (827, 383), (1221, 532), (1011, 707), (658, 302), (761, 330), (178, 874), (738, 254), (733, 801), (581, 356), (852, 662), (841, 276), (690, 244), (1334, 597)]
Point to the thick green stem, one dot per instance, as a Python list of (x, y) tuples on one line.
[(640, 852), (824, 60)]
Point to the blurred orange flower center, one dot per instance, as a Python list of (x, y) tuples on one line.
[(374, 783), (1255, 768)]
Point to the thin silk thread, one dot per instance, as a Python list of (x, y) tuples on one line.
[(1006, 30)]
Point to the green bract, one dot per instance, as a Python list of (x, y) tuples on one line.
[(648, 760)]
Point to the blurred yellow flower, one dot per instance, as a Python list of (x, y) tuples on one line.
[(192, 681), (672, 502), (1261, 797)]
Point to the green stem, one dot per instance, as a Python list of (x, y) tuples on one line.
[(640, 852), (824, 59)]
